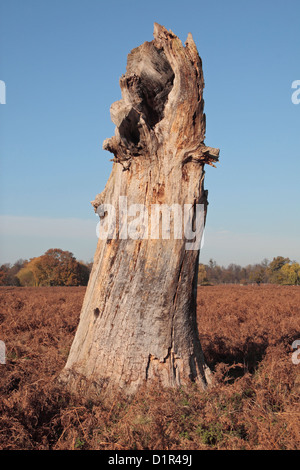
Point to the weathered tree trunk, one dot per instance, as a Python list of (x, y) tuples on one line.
[(138, 320)]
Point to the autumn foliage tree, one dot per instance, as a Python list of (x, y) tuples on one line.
[(8, 273), (5, 277), (290, 274), (55, 268)]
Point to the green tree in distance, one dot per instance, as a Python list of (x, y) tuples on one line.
[(291, 274), (275, 269)]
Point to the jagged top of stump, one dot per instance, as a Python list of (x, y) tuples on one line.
[(162, 103)]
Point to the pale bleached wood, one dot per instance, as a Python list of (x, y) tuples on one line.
[(138, 319)]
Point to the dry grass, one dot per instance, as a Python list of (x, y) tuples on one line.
[(246, 334)]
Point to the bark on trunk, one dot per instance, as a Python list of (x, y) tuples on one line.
[(138, 320)]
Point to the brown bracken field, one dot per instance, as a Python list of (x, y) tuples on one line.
[(246, 333)]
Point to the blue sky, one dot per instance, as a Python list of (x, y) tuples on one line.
[(61, 61)]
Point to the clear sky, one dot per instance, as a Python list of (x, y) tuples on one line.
[(61, 61)]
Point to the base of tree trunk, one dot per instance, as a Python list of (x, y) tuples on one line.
[(138, 326)]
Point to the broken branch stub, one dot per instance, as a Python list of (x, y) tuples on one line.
[(138, 319)]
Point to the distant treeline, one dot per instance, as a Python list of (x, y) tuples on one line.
[(54, 268), (60, 268), (279, 271)]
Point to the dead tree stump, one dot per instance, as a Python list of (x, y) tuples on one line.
[(138, 319)]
